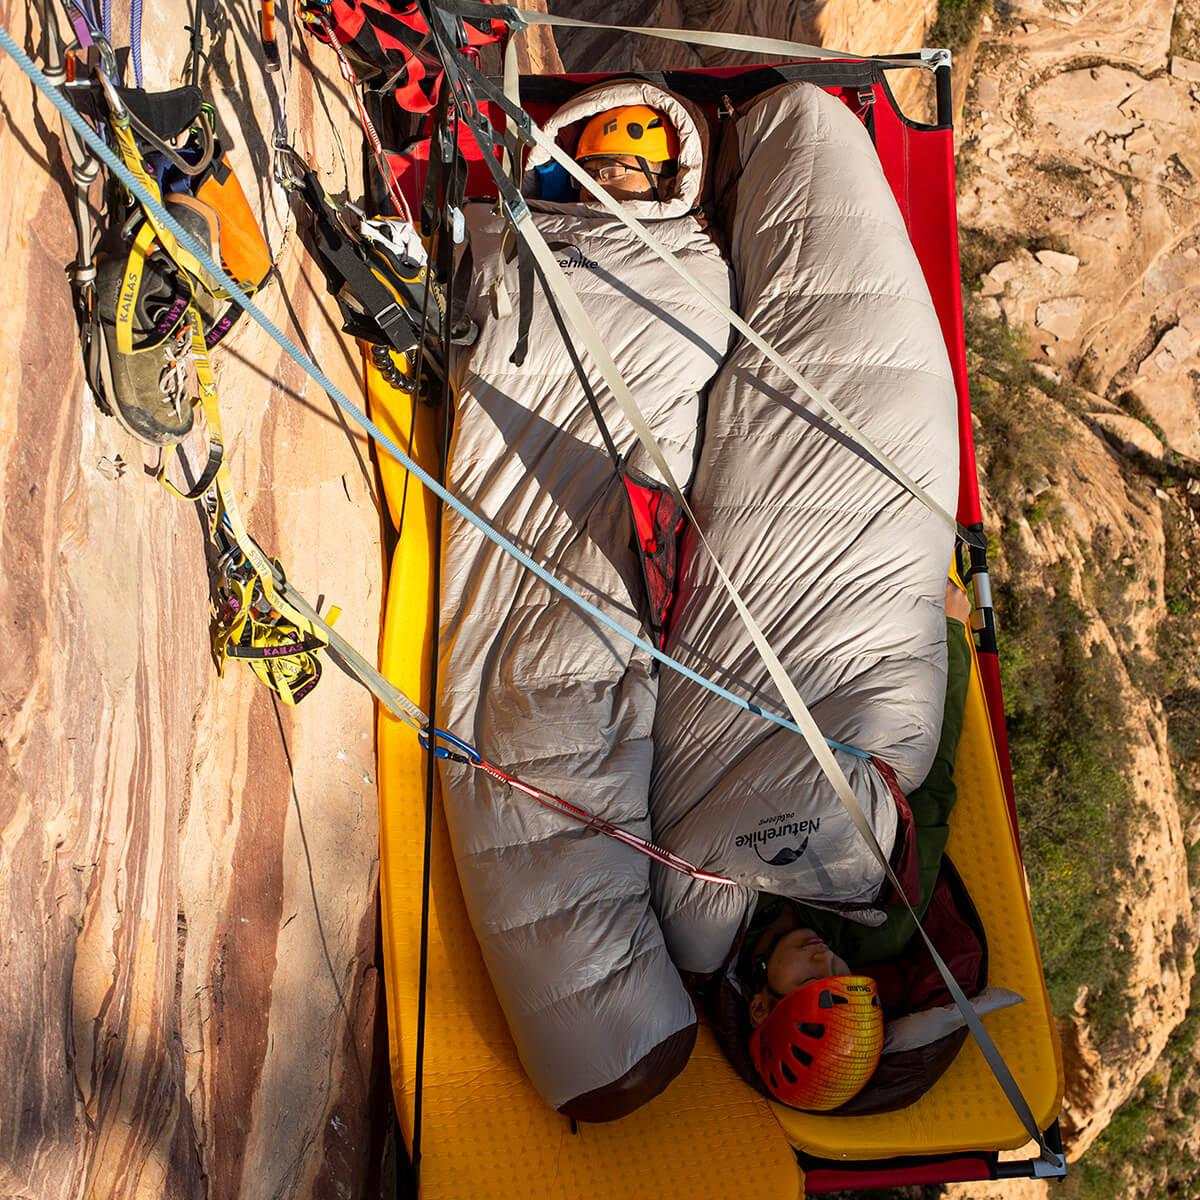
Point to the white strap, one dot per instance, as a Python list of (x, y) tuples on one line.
[(512, 87), (744, 328)]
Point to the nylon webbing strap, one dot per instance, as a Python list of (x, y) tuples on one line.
[(775, 47), (512, 91), (378, 301), (532, 133), (97, 146), (524, 303)]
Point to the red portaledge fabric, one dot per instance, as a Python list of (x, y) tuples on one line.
[(818, 1180), (363, 25), (919, 164), (658, 522)]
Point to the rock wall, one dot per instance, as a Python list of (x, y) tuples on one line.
[(189, 1002), (1080, 165), (187, 872)]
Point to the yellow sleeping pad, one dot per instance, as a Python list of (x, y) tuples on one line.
[(485, 1132), (966, 1110)]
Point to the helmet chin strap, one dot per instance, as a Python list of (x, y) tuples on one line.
[(651, 178)]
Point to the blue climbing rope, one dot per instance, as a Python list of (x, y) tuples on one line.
[(96, 144)]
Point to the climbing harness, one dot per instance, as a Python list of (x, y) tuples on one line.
[(375, 269)]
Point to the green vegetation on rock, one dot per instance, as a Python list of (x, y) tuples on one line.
[(1063, 694), (957, 22)]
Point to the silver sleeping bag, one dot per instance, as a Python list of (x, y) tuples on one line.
[(844, 571), (595, 1005)]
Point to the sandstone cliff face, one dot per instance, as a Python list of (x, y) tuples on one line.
[(189, 996), (189, 987), (1079, 167)]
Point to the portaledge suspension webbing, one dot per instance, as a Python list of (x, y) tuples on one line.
[(519, 215)]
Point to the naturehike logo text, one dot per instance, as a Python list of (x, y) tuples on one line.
[(570, 256), (773, 828)]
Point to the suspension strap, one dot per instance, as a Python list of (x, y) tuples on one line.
[(518, 18), (534, 135), (525, 269), (390, 697)]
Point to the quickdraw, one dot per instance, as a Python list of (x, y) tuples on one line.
[(459, 751), (251, 618)]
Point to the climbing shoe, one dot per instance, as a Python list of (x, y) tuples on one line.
[(145, 306)]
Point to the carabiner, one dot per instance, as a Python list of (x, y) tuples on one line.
[(468, 752)]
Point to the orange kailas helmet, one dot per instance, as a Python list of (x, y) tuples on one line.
[(629, 129), (821, 1043)]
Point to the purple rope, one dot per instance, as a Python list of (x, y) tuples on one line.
[(135, 39), (106, 20)]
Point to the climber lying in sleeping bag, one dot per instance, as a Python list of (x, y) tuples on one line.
[(597, 1010), (844, 571)]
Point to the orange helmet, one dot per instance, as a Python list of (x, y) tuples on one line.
[(821, 1043), (629, 129)]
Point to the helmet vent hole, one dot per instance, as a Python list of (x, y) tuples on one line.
[(811, 1029), (634, 130), (788, 1073), (801, 1056)]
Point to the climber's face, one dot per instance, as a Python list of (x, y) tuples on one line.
[(620, 176), (797, 958)]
